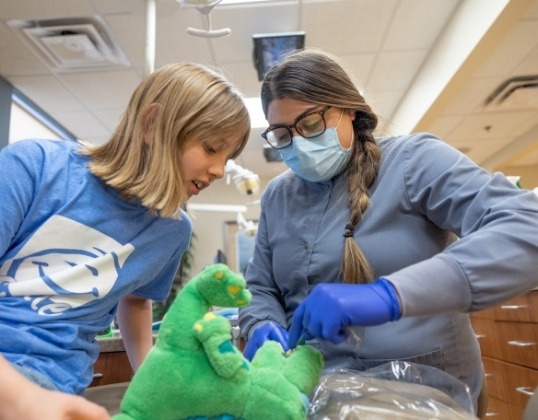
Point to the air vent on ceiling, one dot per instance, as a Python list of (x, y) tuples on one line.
[(519, 92), (71, 44)]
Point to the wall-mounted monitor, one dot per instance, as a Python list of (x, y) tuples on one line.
[(269, 49)]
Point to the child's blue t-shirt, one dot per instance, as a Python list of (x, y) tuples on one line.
[(70, 248)]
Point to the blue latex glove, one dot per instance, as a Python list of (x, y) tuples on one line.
[(331, 307), (270, 331)]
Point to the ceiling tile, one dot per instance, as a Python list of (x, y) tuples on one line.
[(532, 13), (443, 126), (174, 44), (124, 6), (417, 23), (109, 117), (472, 96), (383, 103), (513, 50), (108, 88), (245, 22), (529, 65), (38, 9), (395, 70), (359, 66), (129, 33), (16, 57), (243, 75), (348, 27), (84, 125), (501, 125)]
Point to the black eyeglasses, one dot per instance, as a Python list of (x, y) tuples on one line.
[(311, 124)]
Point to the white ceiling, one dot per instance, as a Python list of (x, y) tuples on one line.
[(422, 64)]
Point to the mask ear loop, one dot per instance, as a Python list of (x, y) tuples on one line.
[(339, 119), (352, 132)]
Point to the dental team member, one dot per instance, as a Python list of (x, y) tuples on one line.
[(362, 231), (89, 232)]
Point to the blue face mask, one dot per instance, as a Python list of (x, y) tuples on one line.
[(316, 159)]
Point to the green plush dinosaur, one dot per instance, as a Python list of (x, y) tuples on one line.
[(195, 372)]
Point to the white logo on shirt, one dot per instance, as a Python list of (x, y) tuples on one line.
[(64, 265)]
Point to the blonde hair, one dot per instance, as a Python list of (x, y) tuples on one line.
[(177, 103), (316, 77)]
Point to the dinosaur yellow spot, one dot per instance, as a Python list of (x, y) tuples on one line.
[(234, 290), (209, 315), (240, 302), (198, 327), (219, 275)]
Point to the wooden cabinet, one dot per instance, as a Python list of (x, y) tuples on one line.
[(508, 337), (111, 368)]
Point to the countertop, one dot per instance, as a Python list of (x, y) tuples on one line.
[(110, 344), (113, 343)]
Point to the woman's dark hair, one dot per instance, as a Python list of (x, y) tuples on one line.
[(316, 77)]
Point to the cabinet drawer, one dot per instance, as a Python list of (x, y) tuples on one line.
[(111, 368), (486, 313), (514, 342), (519, 384), (497, 409), (510, 383), (520, 309), (494, 377), (487, 337), (500, 410)]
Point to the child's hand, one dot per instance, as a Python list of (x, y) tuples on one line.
[(70, 407), (39, 403), (21, 398)]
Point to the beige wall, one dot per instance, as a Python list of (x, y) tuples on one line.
[(208, 226)]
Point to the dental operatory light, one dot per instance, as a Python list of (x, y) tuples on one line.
[(245, 181), (205, 7)]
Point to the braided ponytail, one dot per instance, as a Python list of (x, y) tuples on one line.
[(362, 171)]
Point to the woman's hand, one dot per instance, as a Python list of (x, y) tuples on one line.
[(331, 307), (269, 331)]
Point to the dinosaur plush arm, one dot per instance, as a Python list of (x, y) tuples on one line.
[(214, 332), (302, 366)]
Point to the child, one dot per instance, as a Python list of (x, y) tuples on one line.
[(88, 233)]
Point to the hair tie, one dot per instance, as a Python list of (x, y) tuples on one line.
[(348, 231)]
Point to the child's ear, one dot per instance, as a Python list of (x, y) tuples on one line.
[(148, 121)]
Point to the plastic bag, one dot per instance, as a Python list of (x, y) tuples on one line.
[(395, 390)]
